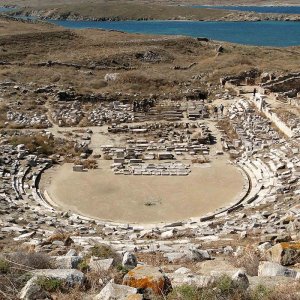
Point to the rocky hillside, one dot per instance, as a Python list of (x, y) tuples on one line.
[(129, 11)]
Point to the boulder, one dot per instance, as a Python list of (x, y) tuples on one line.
[(111, 76), (264, 246), (66, 262), (168, 234), (173, 256), (148, 277), (240, 279), (97, 264), (114, 291), (71, 252), (32, 291), (70, 276), (183, 270), (195, 254), (267, 268), (200, 281), (220, 49), (129, 260), (286, 253)]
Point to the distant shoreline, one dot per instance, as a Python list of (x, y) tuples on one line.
[(129, 12)]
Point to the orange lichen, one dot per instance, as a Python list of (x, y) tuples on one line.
[(134, 297), (148, 282), (290, 245), (142, 277)]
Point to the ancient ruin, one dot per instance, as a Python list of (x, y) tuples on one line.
[(118, 181)]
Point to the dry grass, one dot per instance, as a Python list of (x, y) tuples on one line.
[(41, 144), (225, 126), (59, 235), (152, 259), (249, 260), (112, 50), (226, 289), (27, 261), (14, 268), (3, 110)]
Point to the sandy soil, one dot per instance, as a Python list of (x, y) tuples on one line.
[(103, 195)]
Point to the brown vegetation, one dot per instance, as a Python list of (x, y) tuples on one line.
[(249, 260), (14, 268), (43, 145)]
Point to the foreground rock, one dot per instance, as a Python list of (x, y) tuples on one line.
[(240, 279), (285, 254), (129, 260), (70, 276), (114, 291), (195, 254), (267, 268), (32, 290), (147, 277), (97, 264)]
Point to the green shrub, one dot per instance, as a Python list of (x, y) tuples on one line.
[(260, 292), (225, 285), (102, 251), (50, 284), (31, 260), (122, 269), (83, 265), (187, 292), (4, 266)]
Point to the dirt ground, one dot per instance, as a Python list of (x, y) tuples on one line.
[(103, 195)]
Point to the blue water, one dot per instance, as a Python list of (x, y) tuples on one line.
[(279, 34), (259, 9), (5, 9)]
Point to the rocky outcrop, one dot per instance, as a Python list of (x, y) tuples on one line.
[(70, 276), (148, 277), (286, 253), (55, 14), (273, 269), (114, 291), (32, 290)]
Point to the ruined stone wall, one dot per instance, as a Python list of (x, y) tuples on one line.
[(273, 117)]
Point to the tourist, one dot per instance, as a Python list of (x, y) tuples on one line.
[(221, 109), (216, 111), (254, 92)]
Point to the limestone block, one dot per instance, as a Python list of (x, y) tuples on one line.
[(286, 253), (97, 264), (114, 291), (32, 291), (267, 268), (129, 260), (70, 276), (148, 277)]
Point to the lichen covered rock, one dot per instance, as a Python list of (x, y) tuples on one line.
[(286, 253), (147, 277)]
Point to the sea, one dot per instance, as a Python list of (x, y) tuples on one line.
[(264, 33)]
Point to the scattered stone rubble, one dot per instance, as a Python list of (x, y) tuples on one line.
[(158, 141), (267, 212), (165, 169), (29, 119)]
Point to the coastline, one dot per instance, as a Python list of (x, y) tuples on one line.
[(248, 18)]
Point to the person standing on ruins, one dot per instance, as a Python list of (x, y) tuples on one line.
[(221, 109), (254, 93), (216, 111)]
